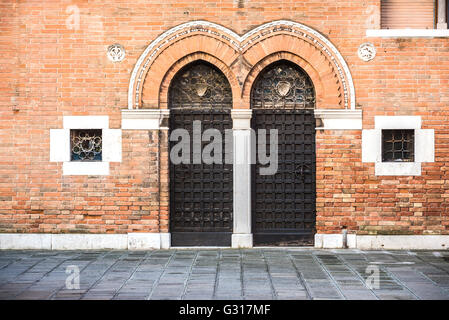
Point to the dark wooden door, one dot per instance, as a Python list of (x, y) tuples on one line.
[(201, 199), (283, 204)]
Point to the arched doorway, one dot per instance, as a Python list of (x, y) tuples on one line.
[(283, 204), (201, 199)]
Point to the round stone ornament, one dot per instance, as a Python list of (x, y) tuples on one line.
[(367, 51), (116, 52)]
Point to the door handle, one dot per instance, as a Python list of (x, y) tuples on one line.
[(302, 169)]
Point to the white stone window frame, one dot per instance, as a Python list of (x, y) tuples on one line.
[(407, 33), (60, 146), (441, 30), (372, 145)]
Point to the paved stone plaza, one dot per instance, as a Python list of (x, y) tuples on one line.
[(225, 274)]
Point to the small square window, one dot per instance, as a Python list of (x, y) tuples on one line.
[(86, 145), (398, 145)]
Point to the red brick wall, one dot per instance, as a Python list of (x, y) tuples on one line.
[(49, 71)]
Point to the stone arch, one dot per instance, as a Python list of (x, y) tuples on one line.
[(197, 56), (265, 62), (242, 54), (309, 93)]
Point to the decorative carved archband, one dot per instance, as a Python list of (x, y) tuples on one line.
[(240, 44)]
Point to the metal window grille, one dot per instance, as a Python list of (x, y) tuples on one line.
[(283, 85), (398, 145), (86, 145)]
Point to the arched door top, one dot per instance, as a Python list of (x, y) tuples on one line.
[(200, 85), (283, 85), (243, 51)]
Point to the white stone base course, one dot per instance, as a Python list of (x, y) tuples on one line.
[(393, 242), (148, 241), (143, 241), (130, 241), (242, 240), (40, 241), (333, 241), (88, 241)]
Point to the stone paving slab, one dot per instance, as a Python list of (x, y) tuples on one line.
[(225, 274)]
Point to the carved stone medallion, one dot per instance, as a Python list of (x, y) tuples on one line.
[(116, 52), (367, 51)]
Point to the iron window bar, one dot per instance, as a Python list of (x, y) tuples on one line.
[(398, 145), (86, 144)]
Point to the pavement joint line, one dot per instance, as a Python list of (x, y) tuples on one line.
[(147, 254), (87, 265), (388, 272), (217, 274), (48, 272), (432, 264), (301, 278), (28, 287), (9, 263), (242, 290), (357, 274), (102, 276), (437, 267), (156, 282), (189, 275), (203, 274), (26, 270), (326, 270), (267, 267), (445, 290)]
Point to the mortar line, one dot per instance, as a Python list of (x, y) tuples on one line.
[(87, 265), (445, 290), (147, 254), (437, 267), (384, 269), (242, 290), (217, 279), (102, 276), (334, 283), (26, 270), (156, 282), (300, 277), (189, 274), (399, 281), (9, 263), (358, 275), (267, 268), (45, 274), (19, 274), (432, 264)]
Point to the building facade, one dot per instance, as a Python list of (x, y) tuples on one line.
[(93, 94)]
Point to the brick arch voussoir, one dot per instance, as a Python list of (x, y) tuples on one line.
[(196, 56), (327, 82), (266, 61), (242, 53), (177, 51)]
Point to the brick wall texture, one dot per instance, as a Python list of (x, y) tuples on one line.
[(51, 67)]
